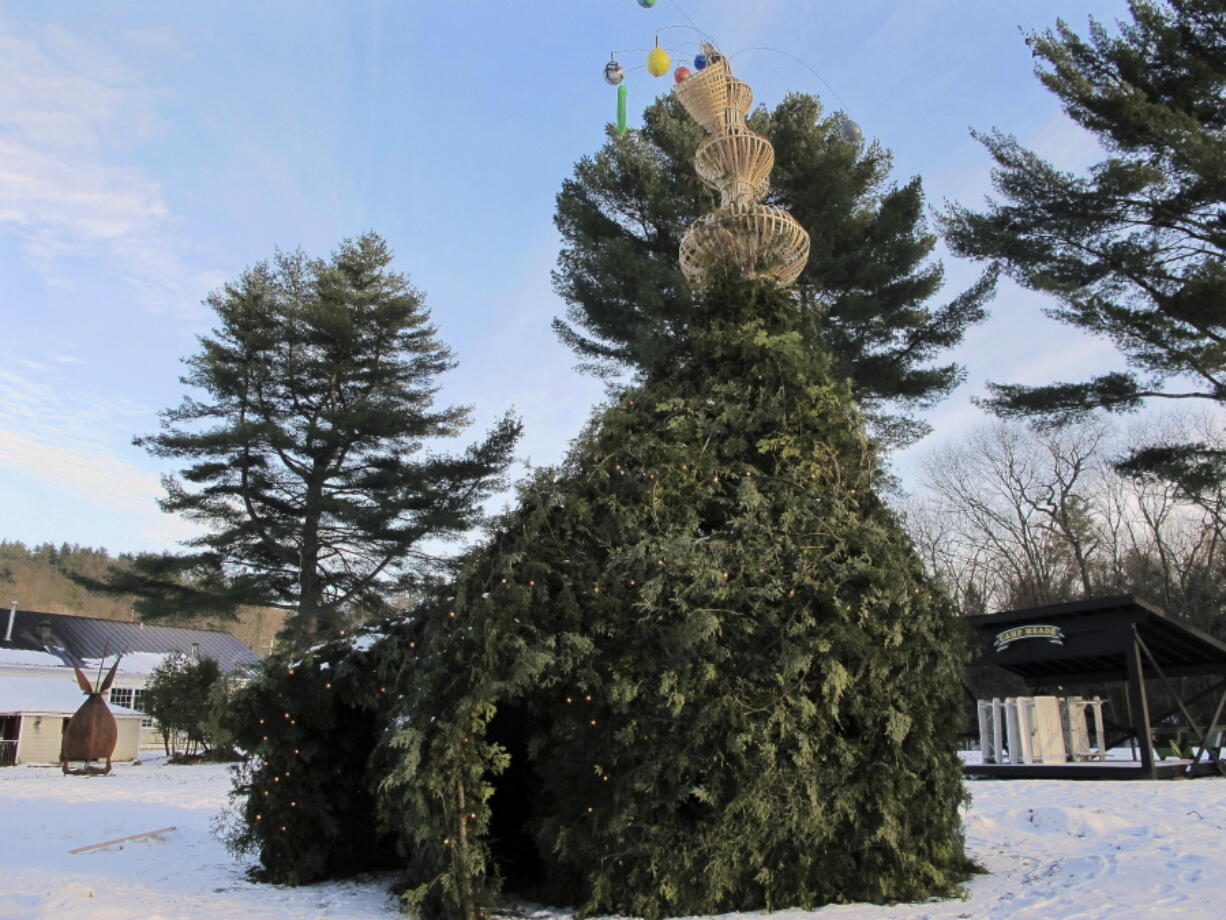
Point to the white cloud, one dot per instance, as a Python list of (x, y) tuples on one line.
[(75, 444), (72, 112)]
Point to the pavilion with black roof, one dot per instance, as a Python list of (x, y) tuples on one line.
[(1102, 640)]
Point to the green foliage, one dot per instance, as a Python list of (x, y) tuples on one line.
[(304, 447), (303, 798), (698, 669), (864, 294), (216, 723), (177, 697), (1133, 251)]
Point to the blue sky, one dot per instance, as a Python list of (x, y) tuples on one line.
[(151, 151)]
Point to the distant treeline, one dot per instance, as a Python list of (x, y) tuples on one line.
[(37, 578)]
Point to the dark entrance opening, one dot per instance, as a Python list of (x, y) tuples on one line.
[(512, 808), (10, 731)]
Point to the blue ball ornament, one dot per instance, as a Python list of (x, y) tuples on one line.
[(700, 62), (647, 4)]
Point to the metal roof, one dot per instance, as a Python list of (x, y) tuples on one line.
[(75, 639), (1088, 641)]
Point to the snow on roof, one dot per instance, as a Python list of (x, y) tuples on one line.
[(21, 656), (22, 696), (130, 663)]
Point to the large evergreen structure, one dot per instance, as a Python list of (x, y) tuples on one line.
[(1135, 250), (698, 669)]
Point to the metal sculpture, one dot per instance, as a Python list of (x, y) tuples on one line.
[(760, 240), (91, 734)]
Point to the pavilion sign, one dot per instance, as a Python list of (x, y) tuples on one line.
[(1053, 634)]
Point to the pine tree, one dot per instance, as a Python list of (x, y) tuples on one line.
[(1134, 251), (864, 294), (305, 450), (697, 669)]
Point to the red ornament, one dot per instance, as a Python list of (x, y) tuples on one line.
[(681, 74)]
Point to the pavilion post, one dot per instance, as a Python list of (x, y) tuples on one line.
[(1139, 703)]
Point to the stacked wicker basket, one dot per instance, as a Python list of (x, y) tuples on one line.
[(761, 240)]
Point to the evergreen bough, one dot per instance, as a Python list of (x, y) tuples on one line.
[(303, 802)]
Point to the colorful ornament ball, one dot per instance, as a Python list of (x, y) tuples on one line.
[(657, 62), (700, 62), (647, 4), (613, 73), (681, 74)]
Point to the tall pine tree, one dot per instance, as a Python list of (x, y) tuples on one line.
[(697, 669), (313, 400), (865, 295), (1135, 250)]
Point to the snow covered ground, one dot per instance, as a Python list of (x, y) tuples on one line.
[(1053, 850)]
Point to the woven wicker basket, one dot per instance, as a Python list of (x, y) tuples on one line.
[(736, 164), (760, 240), (706, 95)]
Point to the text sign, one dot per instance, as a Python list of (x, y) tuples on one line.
[(1052, 634)]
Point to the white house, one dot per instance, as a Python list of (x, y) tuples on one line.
[(37, 684)]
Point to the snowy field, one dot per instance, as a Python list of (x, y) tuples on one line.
[(1054, 850)]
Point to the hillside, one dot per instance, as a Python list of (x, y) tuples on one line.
[(35, 577)]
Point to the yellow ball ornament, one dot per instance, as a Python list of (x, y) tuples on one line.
[(658, 62)]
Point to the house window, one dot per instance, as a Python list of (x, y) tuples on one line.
[(122, 696), (131, 698)]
